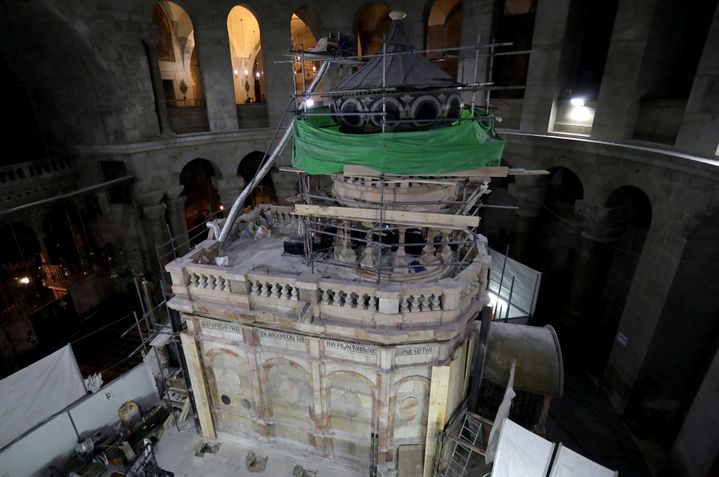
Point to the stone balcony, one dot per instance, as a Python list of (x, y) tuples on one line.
[(263, 285)]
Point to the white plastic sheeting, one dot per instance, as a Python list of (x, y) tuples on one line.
[(568, 463), (521, 453), (502, 414), (35, 393)]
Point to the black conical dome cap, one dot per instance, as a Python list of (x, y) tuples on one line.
[(411, 70)]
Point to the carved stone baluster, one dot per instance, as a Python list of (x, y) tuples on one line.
[(428, 252), (203, 281), (372, 303), (445, 252), (277, 290), (325, 297), (336, 298), (295, 295), (285, 291), (404, 304), (255, 290), (354, 299), (435, 304), (211, 282), (421, 301), (226, 285), (400, 257)]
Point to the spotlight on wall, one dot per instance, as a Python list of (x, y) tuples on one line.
[(310, 102), (257, 74), (24, 280), (236, 72), (222, 207), (577, 102)]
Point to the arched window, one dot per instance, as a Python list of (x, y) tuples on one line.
[(248, 73), (444, 30), (373, 24), (303, 37), (179, 68)]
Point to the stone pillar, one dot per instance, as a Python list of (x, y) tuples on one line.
[(213, 50), (178, 224), (529, 196), (278, 76), (699, 131), (157, 92), (653, 279), (477, 19), (618, 103), (587, 278), (157, 226), (229, 190), (547, 65)]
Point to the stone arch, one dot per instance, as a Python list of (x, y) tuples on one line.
[(684, 341), (409, 404), (515, 23), (20, 258), (371, 24), (349, 404), (629, 219), (198, 178), (265, 192), (245, 38), (444, 30), (303, 35), (230, 384), (179, 66), (287, 391), (72, 65)]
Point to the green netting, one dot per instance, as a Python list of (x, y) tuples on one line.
[(320, 148)]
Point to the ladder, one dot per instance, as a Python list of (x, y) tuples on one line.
[(467, 442)]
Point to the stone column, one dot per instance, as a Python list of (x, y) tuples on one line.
[(229, 190), (547, 65), (529, 196), (618, 103), (157, 226), (588, 277), (213, 50), (699, 132), (477, 19), (178, 224), (278, 77), (156, 79)]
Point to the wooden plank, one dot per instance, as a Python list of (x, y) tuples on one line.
[(199, 390), (399, 217), (351, 170), (436, 415), (527, 172)]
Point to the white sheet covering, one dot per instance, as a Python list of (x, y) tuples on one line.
[(35, 393), (568, 463), (521, 453)]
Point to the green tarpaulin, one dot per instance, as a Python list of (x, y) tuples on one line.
[(320, 148)]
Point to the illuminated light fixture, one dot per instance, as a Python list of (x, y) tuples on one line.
[(247, 72), (577, 102), (24, 280), (310, 102), (257, 74), (314, 68), (236, 71), (222, 207)]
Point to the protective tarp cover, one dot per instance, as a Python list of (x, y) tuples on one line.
[(568, 463), (521, 453), (320, 148), (412, 70), (35, 393)]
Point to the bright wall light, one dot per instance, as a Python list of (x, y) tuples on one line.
[(310, 102), (577, 102), (24, 280)]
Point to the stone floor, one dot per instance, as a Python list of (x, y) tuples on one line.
[(176, 452), (582, 420)]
